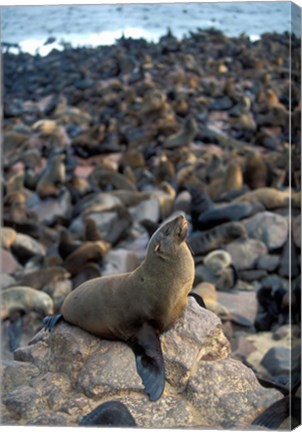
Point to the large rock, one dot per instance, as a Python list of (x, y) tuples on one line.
[(25, 247), (280, 360), (8, 262), (245, 253), (69, 372), (148, 209), (50, 209), (119, 261), (268, 227), (112, 225), (242, 306)]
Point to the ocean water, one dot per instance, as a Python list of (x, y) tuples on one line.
[(93, 25)]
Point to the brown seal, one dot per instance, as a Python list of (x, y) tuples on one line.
[(256, 175), (185, 136), (202, 242), (135, 307), (90, 251), (53, 176), (232, 180), (269, 197)]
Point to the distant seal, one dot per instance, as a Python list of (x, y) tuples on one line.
[(38, 279), (66, 244), (206, 215), (52, 177), (185, 136), (136, 307), (90, 251), (231, 181), (202, 242), (256, 175), (269, 197), (103, 178)]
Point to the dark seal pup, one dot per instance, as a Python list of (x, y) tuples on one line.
[(136, 307)]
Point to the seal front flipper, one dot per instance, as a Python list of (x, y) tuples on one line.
[(49, 322), (149, 360)]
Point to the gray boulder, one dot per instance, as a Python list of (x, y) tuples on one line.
[(70, 372)]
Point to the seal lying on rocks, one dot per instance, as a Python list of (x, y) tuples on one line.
[(136, 307)]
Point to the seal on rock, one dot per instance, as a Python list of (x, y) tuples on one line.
[(136, 307)]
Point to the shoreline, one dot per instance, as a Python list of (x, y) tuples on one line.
[(91, 23)]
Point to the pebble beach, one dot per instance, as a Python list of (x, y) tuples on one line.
[(101, 144)]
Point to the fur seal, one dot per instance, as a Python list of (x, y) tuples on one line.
[(91, 230), (53, 176), (104, 178), (232, 180), (90, 251), (205, 214), (269, 197), (185, 136), (38, 279), (256, 175), (66, 244), (136, 307), (206, 241)]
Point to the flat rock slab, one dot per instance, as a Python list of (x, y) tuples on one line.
[(242, 305), (268, 227), (245, 253), (8, 262), (69, 372)]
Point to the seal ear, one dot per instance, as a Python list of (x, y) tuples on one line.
[(157, 247)]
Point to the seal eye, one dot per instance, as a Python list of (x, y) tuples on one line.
[(167, 231)]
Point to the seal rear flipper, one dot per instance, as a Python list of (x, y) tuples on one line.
[(49, 322), (274, 415), (149, 360)]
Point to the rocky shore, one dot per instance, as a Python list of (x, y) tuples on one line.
[(102, 145)]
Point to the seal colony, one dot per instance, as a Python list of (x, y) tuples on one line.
[(136, 307), (124, 136)]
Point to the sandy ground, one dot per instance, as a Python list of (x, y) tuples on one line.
[(101, 24)]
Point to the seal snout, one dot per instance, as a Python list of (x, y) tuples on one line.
[(182, 227)]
